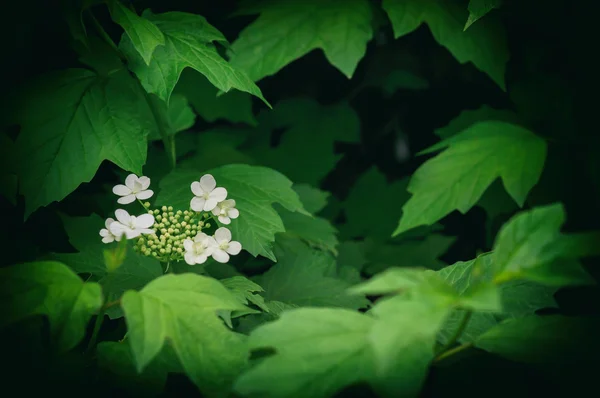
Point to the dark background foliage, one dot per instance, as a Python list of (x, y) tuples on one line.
[(552, 46)]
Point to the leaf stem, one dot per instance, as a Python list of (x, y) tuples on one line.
[(459, 331), (97, 326), (452, 351)]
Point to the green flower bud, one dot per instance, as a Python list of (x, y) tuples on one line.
[(170, 208), (205, 215), (147, 205), (164, 208), (162, 251), (154, 254), (166, 235), (207, 225), (156, 211), (158, 217), (186, 218)]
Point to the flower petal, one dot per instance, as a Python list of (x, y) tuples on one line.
[(104, 232), (234, 248), (188, 245), (143, 195), (209, 204), (211, 244), (144, 182), (146, 231), (219, 194), (225, 220), (190, 258), (132, 233), (197, 204), (144, 221), (228, 203), (108, 222), (208, 182), (108, 239), (201, 258), (123, 217), (216, 211), (200, 236), (220, 256), (121, 190), (222, 235), (233, 213), (130, 181), (125, 200), (196, 189)]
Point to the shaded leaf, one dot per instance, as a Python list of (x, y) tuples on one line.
[(49, 288), (478, 9), (285, 31)]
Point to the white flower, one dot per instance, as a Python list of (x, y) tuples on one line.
[(134, 188), (207, 196), (226, 211), (107, 236), (131, 226), (225, 246), (198, 250)]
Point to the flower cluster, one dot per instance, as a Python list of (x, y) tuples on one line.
[(175, 235)]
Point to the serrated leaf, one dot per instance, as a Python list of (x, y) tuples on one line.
[(407, 253), (188, 43), (285, 31), (144, 35), (135, 272), (70, 123), (351, 254), (49, 288), (530, 246), (182, 308), (572, 339), (478, 9), (254, 189), (313, 199), (318, 351), (484, 44), (246, 291), (382, 200), (317, 232), (308, 278), (234, 106), (456, 178), (117, 367), (305, 152)]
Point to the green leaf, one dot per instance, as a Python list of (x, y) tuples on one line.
[(544, 340), (188, 43), (143, 34), (254, 189), (313, 199), (530, 246), (478, 8), (70, 123), (305, 152), (49, 288), (177, 114), (484, 44), (456, 178), (403, 340), (286, 31), (351, 254), (372, 194), (467, 118), (317, 352), (218, 147), (182, 308), (308, 278), (407, 253), (518, 298), (317, 232), (117, 367), (135, 272), (245, 291), (234, 106)]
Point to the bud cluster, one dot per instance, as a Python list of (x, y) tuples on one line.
[(170, 228)]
